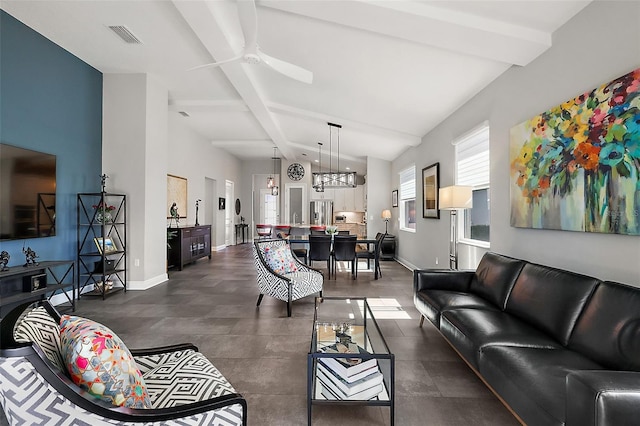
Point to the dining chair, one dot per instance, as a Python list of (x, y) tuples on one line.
[(344, 250), (343, 232), (264, 231), (320, 250), (371, 254), (317, 229)]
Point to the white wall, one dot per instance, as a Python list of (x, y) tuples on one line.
[(134, 152), (601, 43), (191, 156), (379, 196)]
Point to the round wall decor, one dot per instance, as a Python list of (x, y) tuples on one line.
[(295, 171)]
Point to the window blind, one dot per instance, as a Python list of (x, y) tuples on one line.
[(408, 183), (472, 159)]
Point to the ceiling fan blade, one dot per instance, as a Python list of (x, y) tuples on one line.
[(290, 70), (249, 23), (215, 64)]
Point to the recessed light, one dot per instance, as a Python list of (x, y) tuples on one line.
[(316, 161), (348, 168)]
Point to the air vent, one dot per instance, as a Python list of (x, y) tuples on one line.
[(125, 34), (184, 113)]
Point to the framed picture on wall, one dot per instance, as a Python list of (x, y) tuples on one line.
[(430, 187), (177, 193), (221, 203), (394, 198)]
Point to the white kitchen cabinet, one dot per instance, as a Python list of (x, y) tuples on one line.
[(359, 198), (326, 195)]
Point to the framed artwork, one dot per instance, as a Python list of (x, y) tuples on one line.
[(430, 187), (394, 198), (576, 167), (105, 245), (221, 203), (177, 193)]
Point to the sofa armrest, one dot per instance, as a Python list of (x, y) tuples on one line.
[(602, 398), (441, 279)]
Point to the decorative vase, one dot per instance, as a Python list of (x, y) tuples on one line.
[(104, 217)]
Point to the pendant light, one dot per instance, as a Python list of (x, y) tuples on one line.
[(274, 187), (333, 179)]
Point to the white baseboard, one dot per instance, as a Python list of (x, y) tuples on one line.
[(219, 248), (406, 264), (147, 284)]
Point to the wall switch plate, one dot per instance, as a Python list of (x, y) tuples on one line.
[(436, 260), (136, 262)]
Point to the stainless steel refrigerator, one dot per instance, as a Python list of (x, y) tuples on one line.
[(321, 213)]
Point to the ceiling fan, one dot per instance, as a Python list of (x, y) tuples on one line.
[(252, 54)]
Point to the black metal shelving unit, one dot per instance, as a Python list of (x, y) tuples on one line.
[(97, 267)]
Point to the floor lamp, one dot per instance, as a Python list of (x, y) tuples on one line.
[(454, 198)]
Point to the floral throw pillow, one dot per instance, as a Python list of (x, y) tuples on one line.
[(280, 259), (99, 362)]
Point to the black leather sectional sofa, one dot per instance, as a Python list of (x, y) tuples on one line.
[(558, 348)]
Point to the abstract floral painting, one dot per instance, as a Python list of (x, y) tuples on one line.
[(576, 167)]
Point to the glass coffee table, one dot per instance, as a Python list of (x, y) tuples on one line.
[(349, 361)]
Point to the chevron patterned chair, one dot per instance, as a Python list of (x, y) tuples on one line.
[(281, 275), (71, 370)]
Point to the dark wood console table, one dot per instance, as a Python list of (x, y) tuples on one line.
[(14, 283), (187, 245)]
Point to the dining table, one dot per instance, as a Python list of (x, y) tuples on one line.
[(304, 239)]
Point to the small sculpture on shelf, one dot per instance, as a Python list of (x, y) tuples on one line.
[(31, 257), (173, 211), (197, 206), (103, 182), (4, 260)]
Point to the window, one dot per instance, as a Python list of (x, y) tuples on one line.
[(408, 199), (472, 168)]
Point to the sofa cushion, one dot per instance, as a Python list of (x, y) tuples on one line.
[(532, 380), (550, 299), (608, 331), (100, 363), (470, 330), (188, 379), (495, 277), (39, 327), (432, 303), (280, 259)]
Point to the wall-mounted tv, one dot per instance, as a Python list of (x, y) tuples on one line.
[(27, 193)]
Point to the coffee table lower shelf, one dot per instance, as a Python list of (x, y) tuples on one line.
[(315, 387)]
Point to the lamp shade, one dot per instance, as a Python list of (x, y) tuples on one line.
[(456, 197), (386, 214)]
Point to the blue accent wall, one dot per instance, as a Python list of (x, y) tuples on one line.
[(51, 101)]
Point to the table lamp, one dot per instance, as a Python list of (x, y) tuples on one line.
[(454, 198), (386, 215)]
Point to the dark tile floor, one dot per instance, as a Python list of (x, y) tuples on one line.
[(263, 353)]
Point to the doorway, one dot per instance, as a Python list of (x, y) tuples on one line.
[(228, 214), (210, 194), (268, 207)]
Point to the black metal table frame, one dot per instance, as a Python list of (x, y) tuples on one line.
[(312, 359), (58, 286), (244, 228)]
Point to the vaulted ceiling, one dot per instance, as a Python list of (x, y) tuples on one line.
[(387, 71)]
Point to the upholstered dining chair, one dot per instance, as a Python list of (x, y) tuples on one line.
[(320, 250), (281, 275), (264, 230), (344, 250), (371, 254)]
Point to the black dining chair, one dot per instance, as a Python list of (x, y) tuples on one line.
[(344, 250), (320, 250), (343, 232), (372, 254)]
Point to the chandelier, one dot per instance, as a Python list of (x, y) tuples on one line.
[(274, 187), (332, 179)]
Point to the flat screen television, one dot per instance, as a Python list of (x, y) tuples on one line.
[(27, 193)]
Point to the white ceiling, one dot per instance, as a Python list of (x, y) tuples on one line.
[(387, 71)]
